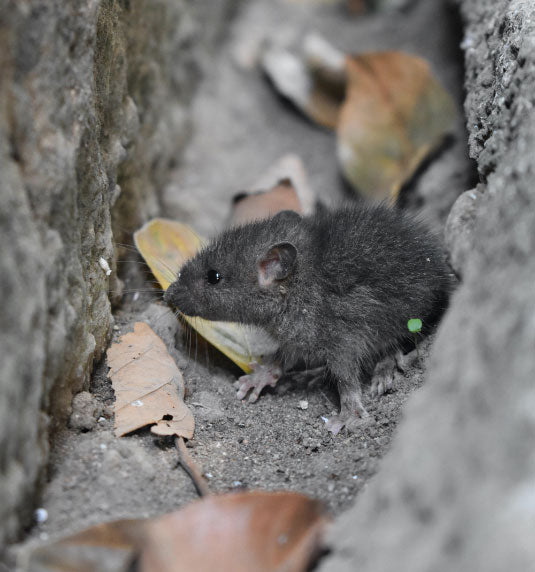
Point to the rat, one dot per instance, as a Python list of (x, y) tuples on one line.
[(335, 289)]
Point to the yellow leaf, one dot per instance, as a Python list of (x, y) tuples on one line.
[(149, 388), (166, 245)]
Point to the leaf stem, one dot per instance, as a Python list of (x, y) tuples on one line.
[(191, 469)]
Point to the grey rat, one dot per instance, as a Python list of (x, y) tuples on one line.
[(335, 289)]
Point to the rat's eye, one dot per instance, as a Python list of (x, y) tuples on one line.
[(213, 276)]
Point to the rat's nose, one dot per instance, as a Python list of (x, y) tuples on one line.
[(170, 294)]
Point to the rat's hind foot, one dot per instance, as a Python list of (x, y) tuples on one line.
[(353, 414), (383, 376), (261, 376), (351, 421)]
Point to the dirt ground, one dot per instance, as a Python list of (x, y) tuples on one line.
[(241, 127)]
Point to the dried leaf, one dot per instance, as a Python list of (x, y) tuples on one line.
[(394, 115), (288, 189), (315, 81), (240, 532), (264, 204), (166, 245), (109, 547), (149, 388), (291, 167), (388, 109)]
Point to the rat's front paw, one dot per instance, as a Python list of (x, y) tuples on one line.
[(263, 375)]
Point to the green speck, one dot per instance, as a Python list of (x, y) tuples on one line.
[(414, 325)]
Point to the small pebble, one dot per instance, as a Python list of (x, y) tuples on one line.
[(41, 515), (104, 265), (303, 404)]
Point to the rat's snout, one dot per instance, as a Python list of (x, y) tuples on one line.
[(179, 297), (172, 294)]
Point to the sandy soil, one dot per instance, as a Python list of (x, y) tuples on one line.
[(241, 128)]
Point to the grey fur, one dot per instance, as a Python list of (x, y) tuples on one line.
[(360, 273)]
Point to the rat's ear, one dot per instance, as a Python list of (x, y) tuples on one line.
[(276, 263)]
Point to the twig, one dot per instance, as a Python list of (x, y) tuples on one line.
[(191, 469)]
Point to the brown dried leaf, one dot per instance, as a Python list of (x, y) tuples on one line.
[(314, 81), (148, 386), (258, 205), (106, 547), (287, 189), (240, 532), (394, 115), (388, 109)]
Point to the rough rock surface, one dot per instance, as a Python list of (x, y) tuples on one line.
[(93, 101), (457, 491)]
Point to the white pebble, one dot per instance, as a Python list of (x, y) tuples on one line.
[(303, 404), (137, 403), (41, 515), (104, 265)]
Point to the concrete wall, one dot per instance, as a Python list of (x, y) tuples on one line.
[(457, 491), (93, 111)]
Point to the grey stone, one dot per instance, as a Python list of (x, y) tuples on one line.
[(94, 102), (457, 491), (459, 230), (85, 412)]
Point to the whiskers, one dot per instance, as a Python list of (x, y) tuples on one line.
[(145, 278)]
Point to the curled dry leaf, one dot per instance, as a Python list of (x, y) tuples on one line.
[(388, 109), (286, 187), (394, 115), (166, 245), (238, 532), (264, 204), (106, 547), (315, 82), (149, 388)]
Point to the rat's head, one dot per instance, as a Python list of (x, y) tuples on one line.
[(242, 276)]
